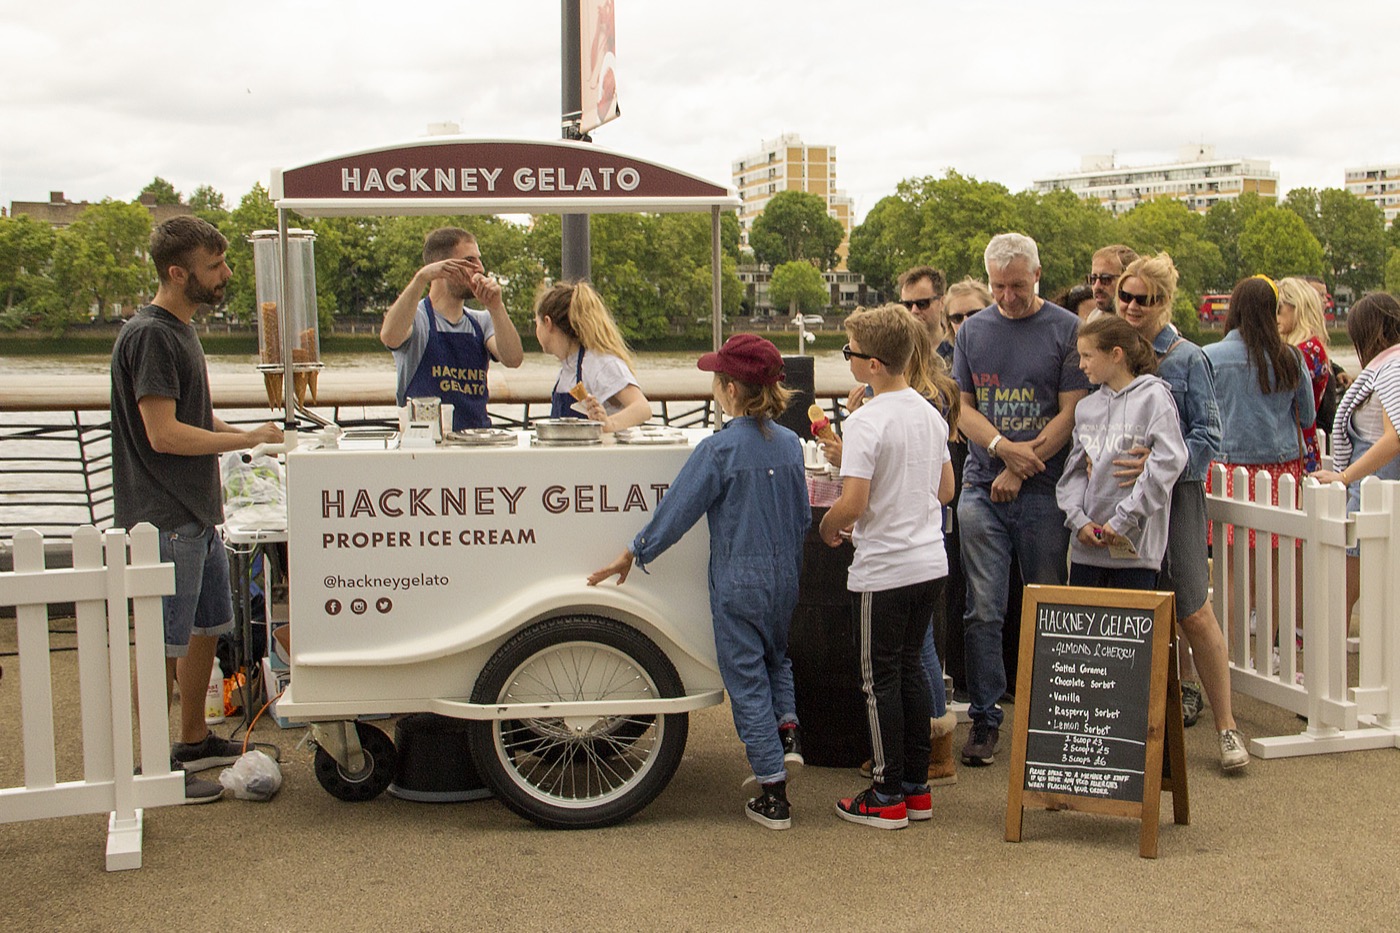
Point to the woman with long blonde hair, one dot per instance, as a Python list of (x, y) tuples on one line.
[(1300, 324), (596, 378)]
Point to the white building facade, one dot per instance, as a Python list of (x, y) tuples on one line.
[(1379, 184), (1198, 178), (788, 164)]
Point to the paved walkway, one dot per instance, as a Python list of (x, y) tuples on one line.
[(1290, 844)]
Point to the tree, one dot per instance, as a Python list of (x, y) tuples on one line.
[(1352, 238), (255, 211), (883, 246), (799, 286), (1276, 242), (1392, 271), (163, 190), (100, 261), (795, 226), (209, 204), (957, 217), (1223, 225), (26, 256)]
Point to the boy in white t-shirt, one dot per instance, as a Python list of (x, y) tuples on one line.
[(896, 474)]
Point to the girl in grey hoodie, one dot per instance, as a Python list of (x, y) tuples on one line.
[(1120, 531)]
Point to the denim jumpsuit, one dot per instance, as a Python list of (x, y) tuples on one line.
[(753, 490)]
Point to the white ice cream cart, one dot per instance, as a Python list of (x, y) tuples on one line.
[(451, 579)]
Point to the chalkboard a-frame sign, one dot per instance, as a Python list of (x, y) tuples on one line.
[(1097, 674)]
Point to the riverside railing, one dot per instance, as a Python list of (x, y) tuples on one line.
[(55, 460)]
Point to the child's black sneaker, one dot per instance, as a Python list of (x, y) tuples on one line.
[(791, 736), (771, 808), (866, 808)]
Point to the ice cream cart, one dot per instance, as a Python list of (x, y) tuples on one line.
[(450, 578)]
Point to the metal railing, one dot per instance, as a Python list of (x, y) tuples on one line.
[(56, 466)]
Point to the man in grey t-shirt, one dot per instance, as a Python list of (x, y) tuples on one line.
[(1018, 369), (166, 444)]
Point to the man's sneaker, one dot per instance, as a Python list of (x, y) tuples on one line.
[(864, 808), (981, 745), (198, 790), (1191, 703), (771, 808), (791, 736), (919, 804), (212, 752), (1233, 754)]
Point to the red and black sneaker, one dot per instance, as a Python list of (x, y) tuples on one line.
[(865, 808), (919, 804)]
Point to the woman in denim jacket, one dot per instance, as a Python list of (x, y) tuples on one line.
[(1146, 290), (1266, 403)]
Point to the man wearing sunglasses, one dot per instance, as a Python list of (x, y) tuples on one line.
[(1105, 268), (920, 291), (1017, 366)]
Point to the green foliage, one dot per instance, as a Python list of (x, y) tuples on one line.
[(798, 283), (163, 190), (1353, 240), (795, 226), (1392, 271), (1067, 230), (1223, 225), (209, 204), (957, 217), (1276, 242), (254, 212), (26, 257), (100, 261), (883, 246)]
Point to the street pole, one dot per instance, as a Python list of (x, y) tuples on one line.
[(575, 263)]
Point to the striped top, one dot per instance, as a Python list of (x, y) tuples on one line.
[(1381, 379)]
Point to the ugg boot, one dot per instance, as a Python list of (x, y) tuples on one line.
[(941, 769)]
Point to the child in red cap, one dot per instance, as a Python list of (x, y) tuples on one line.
[(748, 480)]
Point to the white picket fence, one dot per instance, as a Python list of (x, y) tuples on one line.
[(100, 590), (1341, 716)]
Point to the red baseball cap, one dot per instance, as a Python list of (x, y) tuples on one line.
[(746, 357)]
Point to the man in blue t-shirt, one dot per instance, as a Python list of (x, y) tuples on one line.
[(1018, 370)]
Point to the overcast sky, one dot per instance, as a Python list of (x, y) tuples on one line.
[(96, 98)]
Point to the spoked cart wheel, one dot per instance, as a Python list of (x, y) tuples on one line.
[(578, 772), (371, 780)]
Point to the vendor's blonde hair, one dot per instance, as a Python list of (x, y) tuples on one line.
[(1307, 307), (928, 376), (577, 310)]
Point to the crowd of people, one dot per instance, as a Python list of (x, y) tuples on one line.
[(992, 435)]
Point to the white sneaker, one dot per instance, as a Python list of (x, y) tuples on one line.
[(1233, 754)]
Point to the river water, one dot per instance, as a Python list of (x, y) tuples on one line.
[(29, 488)]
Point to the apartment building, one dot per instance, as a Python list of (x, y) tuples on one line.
[(1197, 177), (789, 164), (1379, 184)]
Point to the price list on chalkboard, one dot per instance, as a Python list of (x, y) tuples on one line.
[(1092, 671)]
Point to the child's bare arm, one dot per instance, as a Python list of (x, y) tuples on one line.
[(855, 496)]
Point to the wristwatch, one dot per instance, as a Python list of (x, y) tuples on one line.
[(992, 447)]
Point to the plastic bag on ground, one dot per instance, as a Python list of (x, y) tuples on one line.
[(254, 776)]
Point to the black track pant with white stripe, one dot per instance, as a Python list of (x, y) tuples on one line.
[(890, 625)]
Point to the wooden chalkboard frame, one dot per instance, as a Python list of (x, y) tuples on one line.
[(1164, 733)]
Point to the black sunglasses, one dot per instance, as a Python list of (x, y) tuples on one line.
[(920, 303), (1103, 278), (959, 318), (847, 352), (1144, 301)]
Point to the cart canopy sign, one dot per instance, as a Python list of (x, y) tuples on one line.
[(478, 176)]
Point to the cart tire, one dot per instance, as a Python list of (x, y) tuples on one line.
[(570, 774), (368, 784)]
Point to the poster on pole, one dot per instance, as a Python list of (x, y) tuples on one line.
[(597, 63)]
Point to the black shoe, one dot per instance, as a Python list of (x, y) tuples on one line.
[(791, 736), (981, 744), (771, 808), (1191, 703)]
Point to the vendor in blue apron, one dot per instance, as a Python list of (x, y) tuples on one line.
[(441, 347)]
